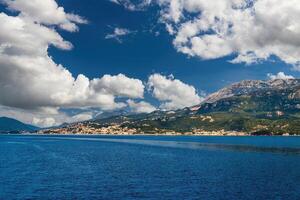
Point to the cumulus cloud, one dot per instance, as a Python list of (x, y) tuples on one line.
[(280, 75), (30, 79), (46, 12), (140, 107), (173, 93), (118, 33), (100, 92), (245, 29), (35, 89)]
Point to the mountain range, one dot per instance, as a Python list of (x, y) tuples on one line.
[(252, 107), (248, 107)]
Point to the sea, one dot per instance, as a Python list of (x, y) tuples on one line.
[(149, 167)]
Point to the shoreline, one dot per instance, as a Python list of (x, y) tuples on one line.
[(169, 135)]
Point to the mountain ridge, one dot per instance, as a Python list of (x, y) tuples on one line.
[(248, 107), (249, 86), (10, 125)]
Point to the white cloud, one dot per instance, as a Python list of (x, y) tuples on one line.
[(30, 78), (44, 117), (44, 122), (140, 107), (100, 92), (251, 30), (245, 29), (280, 75), (173, 93), (31, 81), (133, 5), (119, 85), (118, 33), (34, 88), (82, 117), (41, 117), (46, 12), (115, 1)]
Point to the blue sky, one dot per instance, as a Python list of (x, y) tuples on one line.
[(70, 60), (141, 54)]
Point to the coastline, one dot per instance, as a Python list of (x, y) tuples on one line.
[(144, 134)]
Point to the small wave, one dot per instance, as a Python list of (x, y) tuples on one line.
[(22, 143)]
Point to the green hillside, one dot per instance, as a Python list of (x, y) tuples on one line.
[(264, 110)]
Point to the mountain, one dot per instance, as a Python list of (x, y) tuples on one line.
[(249, 87), (248, 107), (14, 126)]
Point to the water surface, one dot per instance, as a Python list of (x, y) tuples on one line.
[(149, 167)]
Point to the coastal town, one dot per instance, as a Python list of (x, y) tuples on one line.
[(119, 129), (83, 129)]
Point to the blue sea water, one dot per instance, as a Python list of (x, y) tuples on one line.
[(149, 167)]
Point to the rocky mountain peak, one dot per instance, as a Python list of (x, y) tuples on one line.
[(250, 86)]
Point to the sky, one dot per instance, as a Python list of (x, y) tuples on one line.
[(70, 60)]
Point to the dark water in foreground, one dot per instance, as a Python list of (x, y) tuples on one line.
[(149, 167)]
